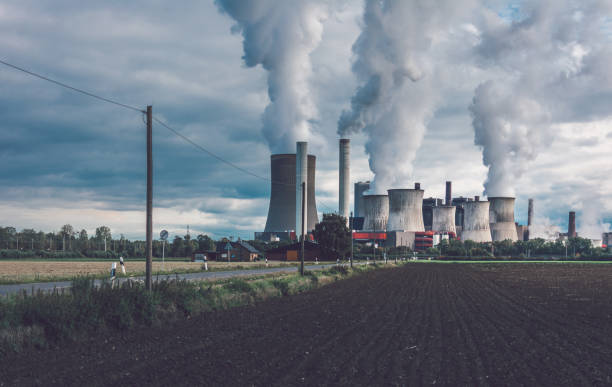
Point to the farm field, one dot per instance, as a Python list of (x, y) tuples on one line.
[(16, 271), (451, 324)]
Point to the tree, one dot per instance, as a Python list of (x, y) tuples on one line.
[(188, 249), (205, 243), (103, 233), (66, 232), (28, 235), (332, 233), (178, 248)]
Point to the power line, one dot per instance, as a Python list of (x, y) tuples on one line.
[(200, 147), (203, 149), (108, 100), (71, 87)]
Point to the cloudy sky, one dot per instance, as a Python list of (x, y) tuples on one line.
[(526, 85)]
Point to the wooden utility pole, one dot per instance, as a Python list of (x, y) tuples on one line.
[(303, 228), (149, 252)]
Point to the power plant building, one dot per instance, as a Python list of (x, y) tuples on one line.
[(282, 210), (360, 188), (406, 210), (376, 209), (476, 221), (501, 219)]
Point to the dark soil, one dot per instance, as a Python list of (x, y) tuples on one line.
[(453, 324)]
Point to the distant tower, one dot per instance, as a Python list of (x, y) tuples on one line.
[(345, 177), (571, 226)]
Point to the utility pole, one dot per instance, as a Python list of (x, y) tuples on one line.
[(351, 230), (303, 228), (149, 253)]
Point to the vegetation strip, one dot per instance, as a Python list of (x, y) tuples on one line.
[(50, 318)]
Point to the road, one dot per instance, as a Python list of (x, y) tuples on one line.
[(49, 286), (419, 324)]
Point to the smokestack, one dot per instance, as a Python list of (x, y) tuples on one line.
[(529, 220), (501, 218), (360, 188), (282, 209), (417, 185), (405, 210), (530, 212), (376, 209), (345, 177), (301, 177), (449, 197), (476, 221), (476, 198), (571, 226), (444, 219)]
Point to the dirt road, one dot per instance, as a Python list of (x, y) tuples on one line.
[(421, 324)]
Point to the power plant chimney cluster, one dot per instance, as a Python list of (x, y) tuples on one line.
[(401, 210)]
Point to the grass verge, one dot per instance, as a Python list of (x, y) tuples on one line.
[(50, 319)]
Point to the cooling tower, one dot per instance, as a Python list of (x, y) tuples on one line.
[(376, 208), (282, 209), (501, 219), (405, 210), (443, 219), (345, 177), (476, 222), (360, 188), (571, 226)]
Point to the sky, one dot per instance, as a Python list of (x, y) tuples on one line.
[(540, 75)]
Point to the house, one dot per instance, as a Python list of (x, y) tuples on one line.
[(291, 252), (239, 251)]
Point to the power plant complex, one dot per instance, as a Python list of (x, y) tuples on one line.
[(402, 217)]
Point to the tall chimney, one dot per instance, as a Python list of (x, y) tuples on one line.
[(301, 176), (476, 198), (449, 197), (345, 177), (571, 227), (417, 185), (529, 220)]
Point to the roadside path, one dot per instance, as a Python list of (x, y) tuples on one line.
[(205, 275)]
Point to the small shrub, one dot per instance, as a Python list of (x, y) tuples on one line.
[(342, 270), (240, 286), (282, 286)]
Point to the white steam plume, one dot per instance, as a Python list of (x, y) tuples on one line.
[(279, 36), (396, 96), (549, 65)]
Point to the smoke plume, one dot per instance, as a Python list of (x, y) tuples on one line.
[(549, 70), (279, 36), (395, 97)]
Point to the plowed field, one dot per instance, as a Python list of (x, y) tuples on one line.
[(421, 324)]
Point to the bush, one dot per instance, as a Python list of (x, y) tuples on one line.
[(342, 270), (282, 286)]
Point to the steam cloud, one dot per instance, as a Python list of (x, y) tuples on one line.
[(550, 65), (396, 95), (279, 36)]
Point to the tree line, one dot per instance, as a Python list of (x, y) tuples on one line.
[(71, 243)]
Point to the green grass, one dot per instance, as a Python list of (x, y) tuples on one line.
[(48, 319), (36, 278)]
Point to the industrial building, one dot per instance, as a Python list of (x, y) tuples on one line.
[(284, 211), (312, 251), (402, 217)]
